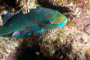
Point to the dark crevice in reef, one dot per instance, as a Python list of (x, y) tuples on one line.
[(45, 3), (25, 52), (9, 5)]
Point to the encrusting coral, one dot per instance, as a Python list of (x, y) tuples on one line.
[(79, 7), (26, 5), (65, 43), (7, 45)]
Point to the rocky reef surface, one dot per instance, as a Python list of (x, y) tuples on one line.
[(66, 43), (72, 42)]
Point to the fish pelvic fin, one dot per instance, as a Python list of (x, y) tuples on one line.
[(21, 33)]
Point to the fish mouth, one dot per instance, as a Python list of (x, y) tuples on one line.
[(64, 22)]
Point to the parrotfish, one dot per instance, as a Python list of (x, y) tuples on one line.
[(37, 21)]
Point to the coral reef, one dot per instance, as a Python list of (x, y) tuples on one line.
[(79, 7), (71, 42), (87, 29), (26, 5), (15, 5), (65, 43), (7, 45), (80, 23)]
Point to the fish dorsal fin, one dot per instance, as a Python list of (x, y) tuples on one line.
[(6, 17)]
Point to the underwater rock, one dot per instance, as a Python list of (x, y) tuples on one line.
[(12, 55), (87, 29), (26, 5), (8, 47), (80, 23), (78, 7), (9, 5), (15, 5), (1, 21), (65, 43)]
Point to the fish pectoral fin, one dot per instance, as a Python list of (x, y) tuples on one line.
[(39, 31), (33, 28), (21, 33)]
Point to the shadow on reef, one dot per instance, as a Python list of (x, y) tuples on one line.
[(30, 50), (26, 53), (45, 3), (8, 35)]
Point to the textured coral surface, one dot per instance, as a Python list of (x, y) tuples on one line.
[(67, 43)]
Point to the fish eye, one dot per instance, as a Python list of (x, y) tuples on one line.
[(48, 21)]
